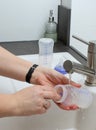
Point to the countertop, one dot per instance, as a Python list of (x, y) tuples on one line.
[(31, 47)]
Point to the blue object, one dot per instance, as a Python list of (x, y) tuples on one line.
[(60, 69)]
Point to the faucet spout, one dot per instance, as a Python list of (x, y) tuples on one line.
[(90, 69), (71, 67)]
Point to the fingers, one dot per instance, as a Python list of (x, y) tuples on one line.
[(51, 95), (73, 107), (75, 84), (46, 94), (47, 104)]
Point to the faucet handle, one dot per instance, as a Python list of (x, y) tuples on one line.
[(91, 58), (81, 40), (92, 47)]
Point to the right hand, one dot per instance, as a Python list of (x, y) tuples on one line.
[(33, 100)]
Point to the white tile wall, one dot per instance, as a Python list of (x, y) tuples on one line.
[(24, 19)]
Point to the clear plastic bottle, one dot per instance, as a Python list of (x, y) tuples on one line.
[(46, 46), (51, 28), (71, 95)]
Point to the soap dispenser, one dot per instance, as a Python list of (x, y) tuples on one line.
[(51, 28)]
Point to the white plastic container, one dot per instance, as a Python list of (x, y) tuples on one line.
[(71, 95), (46, 51)]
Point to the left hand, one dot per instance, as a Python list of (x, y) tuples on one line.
[(49, 77)]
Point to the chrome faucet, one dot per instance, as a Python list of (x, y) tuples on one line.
[(90, 69)]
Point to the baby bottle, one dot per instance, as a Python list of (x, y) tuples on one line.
[(46, 51), (71, 95)]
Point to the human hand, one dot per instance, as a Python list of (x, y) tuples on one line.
[(33, 100), (62, 106), (50, 77)]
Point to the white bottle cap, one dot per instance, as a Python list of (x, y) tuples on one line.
[(46, 41), (62, 91)]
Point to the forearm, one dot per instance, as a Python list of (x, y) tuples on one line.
[(7, 105), (12, 66)]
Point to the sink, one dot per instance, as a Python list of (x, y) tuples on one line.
[(55, 118), (86, 119)]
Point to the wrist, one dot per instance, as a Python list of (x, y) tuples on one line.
[(30, 72), (35, 76), (7, 107)]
